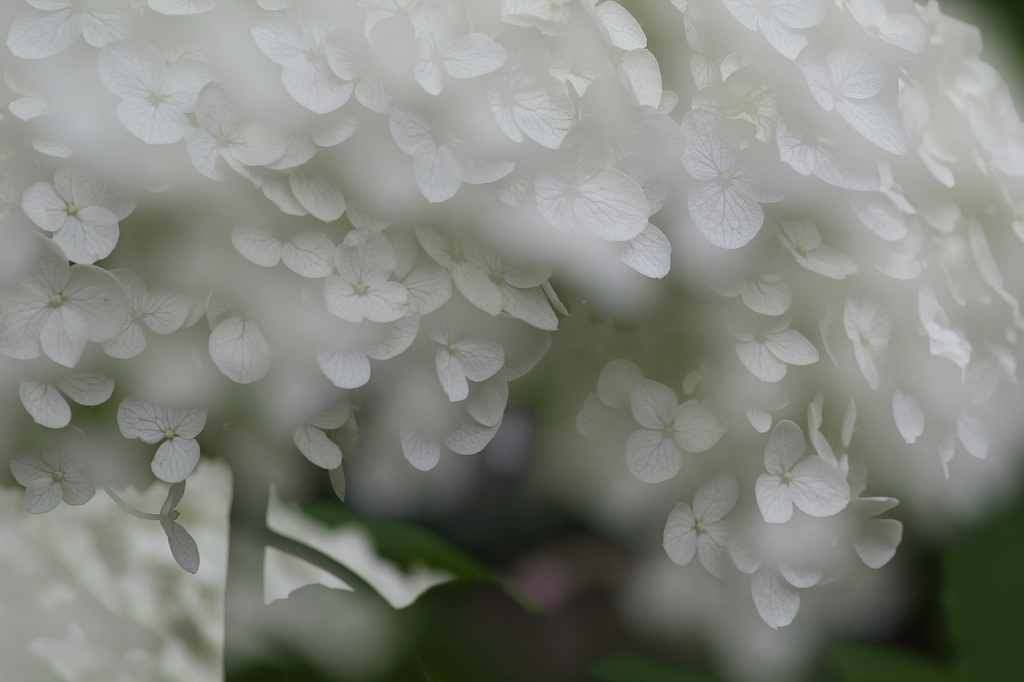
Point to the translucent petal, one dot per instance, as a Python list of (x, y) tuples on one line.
[(761, 362), (817, 488), (697, 427), (680, 537), (616, 382), (421, 453), (470, 438), (88, 388), (239, 350), (345, 370), (652, 457), (183, 547), (44, 404), (785, 447), (972, 433), (908, 415), (879, 541), (175, 459), (773, 498), (317, 447), (716, 497), (649, 253), (318, 195), (654, 405)]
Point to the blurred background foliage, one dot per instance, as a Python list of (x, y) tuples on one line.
[(965, 624)]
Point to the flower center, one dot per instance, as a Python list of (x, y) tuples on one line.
[(56, 300), (58, 476), (360, 289), (787, 476), (168, 434), (700, 527), (156, 98), (72, 209), (452, 348), (173, 515)]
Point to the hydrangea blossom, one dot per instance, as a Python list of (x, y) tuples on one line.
[(50, 477), (175, 430)]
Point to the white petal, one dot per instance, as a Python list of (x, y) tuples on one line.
[(711, 548), (88, 388), (773, 498), (239, 350), (649, 253), (45, 404), (879, 542), (37, 36), (776, 602), (401, 334), (611, 205), (623, 30), (654, 405), (697, 427), (487, 400), (768, 298), (257, 245), (791, 347), (129, 343), (477, 287), (421, 453), (716, 497), (310, 254), (183, 547), (63, 336), (616, 381), (680, 538), (314, 86), (529, 305), (138, 419), (451, 375), (785, 447), (817, 488), (318, 195), (40, 499), (908, 415), (470, 438), (429, 287), (473, 54), (761, 362), (593, 417), (724, 214), (876, 123), (345, 370), (480, 358), (317, 447), (131, 68), (175, 459), (800, 577), (652, 457), (760, 419), (186, 423), (972, 433)]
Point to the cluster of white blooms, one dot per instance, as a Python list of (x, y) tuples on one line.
[(852, 169)]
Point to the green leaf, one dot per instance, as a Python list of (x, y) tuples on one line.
[(406, 544), (631, 668), (883, 664), (984, 594)]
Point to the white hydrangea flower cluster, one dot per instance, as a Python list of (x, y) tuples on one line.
[(852, 169)]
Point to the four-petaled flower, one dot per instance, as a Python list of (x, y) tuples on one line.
[(178, 453), (48, 477), (701, 529)]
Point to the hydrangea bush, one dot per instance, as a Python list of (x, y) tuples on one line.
[(286, 214)]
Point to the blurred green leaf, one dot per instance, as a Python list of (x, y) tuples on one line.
[(984, 600), (407, 545), (631, 668), (883, 664)]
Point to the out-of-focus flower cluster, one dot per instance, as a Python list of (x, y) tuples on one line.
[(289, 214)]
